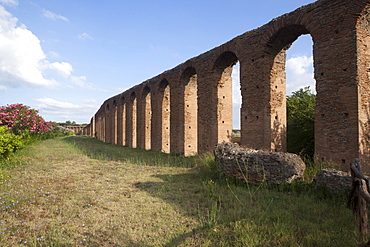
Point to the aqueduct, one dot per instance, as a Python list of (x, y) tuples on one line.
[(188, 109)]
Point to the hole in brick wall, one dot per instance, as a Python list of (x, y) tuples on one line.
[(344, 69), (223, 97), (257, 86), (189, 146), (322, 74), (322, 115), (276, 87), (276, 150), (276, 117), (343, 161), (256, 117), (302, 45), (236, 97), (187, 105), (223, 121), (246, 117), (252, 59), (166, 128), (346, 114), (336, 31), (189, 127)]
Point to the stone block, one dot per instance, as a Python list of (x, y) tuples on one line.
[(256, 166)]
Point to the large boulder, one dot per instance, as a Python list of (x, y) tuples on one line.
[(334, 180), (255, 166)]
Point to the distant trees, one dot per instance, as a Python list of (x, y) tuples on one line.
[(300, 121)]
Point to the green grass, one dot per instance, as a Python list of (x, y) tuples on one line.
[(77, 191), (96, 149)]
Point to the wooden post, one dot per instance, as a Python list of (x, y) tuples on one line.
[(359, 198)]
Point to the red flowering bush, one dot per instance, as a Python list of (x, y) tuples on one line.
[(22, 119)]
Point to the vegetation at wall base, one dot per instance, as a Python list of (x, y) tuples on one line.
[(58, 193)]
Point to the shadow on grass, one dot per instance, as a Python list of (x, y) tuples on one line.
[(232, 213), (96, 149)]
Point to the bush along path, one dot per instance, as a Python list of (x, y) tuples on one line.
[(57, 195)]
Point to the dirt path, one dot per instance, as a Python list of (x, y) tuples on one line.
[(63, 198)]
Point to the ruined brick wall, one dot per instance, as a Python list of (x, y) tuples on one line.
[(188, 109)]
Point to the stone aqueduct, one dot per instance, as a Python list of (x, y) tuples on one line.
[(188, 109)]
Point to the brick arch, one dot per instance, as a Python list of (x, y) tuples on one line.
[(111, 122), (107, 122), (188, 102), (161, 116), (276, 49), (222, 71), (131, 120), (144, 119), (121, 120)]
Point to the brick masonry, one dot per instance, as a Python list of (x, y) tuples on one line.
[(188, 109)]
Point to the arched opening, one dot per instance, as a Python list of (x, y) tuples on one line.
[(237, 101), (223, 69), (190, 111), (114, 123), (293, 69), (301, 97), (147, 121), (165, 112), (121, 129), (107, 125), (132, 121)]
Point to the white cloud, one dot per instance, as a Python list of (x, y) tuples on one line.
[(20, 54), (85, 36), (3, 88), (62, 111), (81, 82), (51, 15), (53, 54), (23, 61), (64, 69), (9, 2), (54, 104), (299, 71)]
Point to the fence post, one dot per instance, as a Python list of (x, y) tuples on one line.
[(359, 198)]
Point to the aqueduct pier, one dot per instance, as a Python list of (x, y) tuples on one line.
[(188, 109)]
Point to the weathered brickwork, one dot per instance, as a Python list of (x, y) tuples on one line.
[(188, 109)]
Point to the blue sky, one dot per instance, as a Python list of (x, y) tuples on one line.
[(66, 57)]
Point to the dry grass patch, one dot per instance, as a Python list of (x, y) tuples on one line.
[(65, 198)]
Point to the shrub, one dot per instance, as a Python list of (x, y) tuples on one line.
[(301, 119), (9, 142), (22, 119), (19, 126)]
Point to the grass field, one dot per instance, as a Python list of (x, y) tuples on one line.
[(77, 191)]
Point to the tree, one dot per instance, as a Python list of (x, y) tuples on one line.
[(301, 120)]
